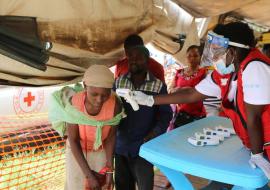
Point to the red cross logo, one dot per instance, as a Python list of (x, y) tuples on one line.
[(29, 99)]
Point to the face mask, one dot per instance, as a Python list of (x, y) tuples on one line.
[(220, 67)]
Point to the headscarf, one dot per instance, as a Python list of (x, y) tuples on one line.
[(98, 76)]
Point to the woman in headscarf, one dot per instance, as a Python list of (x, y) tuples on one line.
[(86, 158)]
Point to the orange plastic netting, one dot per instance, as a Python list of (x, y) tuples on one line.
[(30, 157)]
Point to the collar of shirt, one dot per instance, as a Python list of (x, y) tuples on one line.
[(151, 84), (149, 77)]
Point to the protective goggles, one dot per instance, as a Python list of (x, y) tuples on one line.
[(216, 47)]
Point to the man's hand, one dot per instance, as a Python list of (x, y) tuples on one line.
[(257, 160), (143, 99)]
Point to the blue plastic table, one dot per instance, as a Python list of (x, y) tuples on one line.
[(226, 162)]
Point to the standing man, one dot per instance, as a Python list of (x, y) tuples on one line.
[(139, 126), (122, 66)]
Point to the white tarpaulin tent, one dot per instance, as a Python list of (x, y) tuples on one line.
[(254, 10), (85, 32)]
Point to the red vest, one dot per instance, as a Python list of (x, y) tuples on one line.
[(237, 113)]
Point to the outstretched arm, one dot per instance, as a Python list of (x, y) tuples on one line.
[(182, 95), (205, 89)]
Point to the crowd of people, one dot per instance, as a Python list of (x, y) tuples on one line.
[(237, 86)]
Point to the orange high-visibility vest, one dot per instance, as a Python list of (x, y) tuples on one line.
[(87, 133)]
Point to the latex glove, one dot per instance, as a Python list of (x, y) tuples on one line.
[(143, 99), (257, 160)]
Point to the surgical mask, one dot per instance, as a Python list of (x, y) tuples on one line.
[(221, 68)]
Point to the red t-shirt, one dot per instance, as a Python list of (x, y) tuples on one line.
[(181, 80), (154, 67)]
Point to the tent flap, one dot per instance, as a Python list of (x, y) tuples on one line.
[(19, 40)]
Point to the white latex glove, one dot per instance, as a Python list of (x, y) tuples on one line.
[(143, 99), (257, 160)]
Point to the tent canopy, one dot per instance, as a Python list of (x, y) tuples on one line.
[(85, 32), (253, 10)]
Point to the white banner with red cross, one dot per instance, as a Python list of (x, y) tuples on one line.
[(24, 106)]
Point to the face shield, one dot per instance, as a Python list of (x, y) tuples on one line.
[(215, 50)]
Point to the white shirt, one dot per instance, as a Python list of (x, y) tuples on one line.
[(256, 85)]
